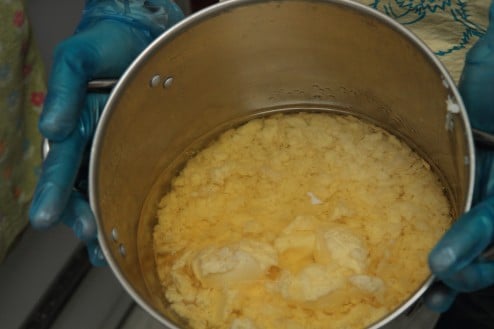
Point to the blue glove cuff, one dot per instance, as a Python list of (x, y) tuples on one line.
[(152, 17)]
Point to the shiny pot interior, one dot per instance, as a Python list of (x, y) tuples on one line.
[(242, 59)]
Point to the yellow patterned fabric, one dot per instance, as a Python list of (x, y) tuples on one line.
[(448, 27), (22, 91)]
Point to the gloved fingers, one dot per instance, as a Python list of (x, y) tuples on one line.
[(152, 17), (474, 86), (61, 166), (439, 297), (481, 50), (464, 241), (79, 217), (484, 173), (95, 254), (175, 14), (491, 16), (56, 181), (476, 80), (103, 51), (477, 275), (88, 121), (66, 90)]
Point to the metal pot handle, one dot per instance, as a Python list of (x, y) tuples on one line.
[(101, 84)]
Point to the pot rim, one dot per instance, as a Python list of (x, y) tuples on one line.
[(212, 11)]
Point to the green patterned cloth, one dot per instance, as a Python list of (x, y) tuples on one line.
[(22, 90)]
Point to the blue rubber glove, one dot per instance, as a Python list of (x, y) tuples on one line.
[(456, 260), (109, 37)]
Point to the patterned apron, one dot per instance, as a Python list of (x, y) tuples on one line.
[(22, 90)]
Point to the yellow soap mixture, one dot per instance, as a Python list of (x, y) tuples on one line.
[(295, 221)]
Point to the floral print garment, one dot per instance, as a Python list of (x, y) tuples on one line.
[(22, 91), (449, 27)]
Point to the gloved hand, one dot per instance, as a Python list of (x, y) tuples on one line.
[(110, 35), (456, 260)]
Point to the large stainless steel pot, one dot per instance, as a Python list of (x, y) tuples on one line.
[(241, 59)]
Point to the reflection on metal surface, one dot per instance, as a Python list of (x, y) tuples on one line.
[(155, 80), (101, 85), (45, 148), (168, 82), (114, 234)]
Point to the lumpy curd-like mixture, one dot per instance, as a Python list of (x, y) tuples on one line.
[(294, 221)]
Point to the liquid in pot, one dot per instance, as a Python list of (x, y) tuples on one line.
[(304, 220)]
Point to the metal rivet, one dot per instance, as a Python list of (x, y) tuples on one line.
[(168, 82), (155, 81), (121, 249), (45, 148), (114, 234)]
